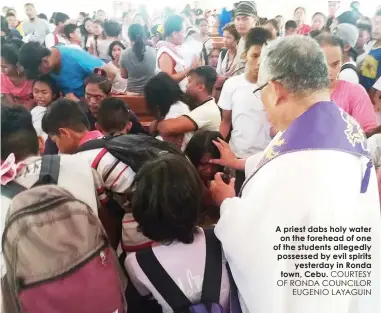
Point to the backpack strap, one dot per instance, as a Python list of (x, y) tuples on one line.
[(169, 290), (211, 286), (160, 279), (223, 53), (349, 66), (94, 144), (12, 189), (50, 169)]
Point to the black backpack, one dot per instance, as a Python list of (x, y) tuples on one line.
[(133, 150), (169, 290)]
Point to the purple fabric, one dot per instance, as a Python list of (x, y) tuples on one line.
[(323, 127)]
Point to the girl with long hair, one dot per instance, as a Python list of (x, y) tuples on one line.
[(138, 62)]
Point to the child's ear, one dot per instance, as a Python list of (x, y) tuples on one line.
[(128, 127), (98, 127), (41, 145)]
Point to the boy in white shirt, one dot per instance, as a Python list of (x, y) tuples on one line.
[(58, 37), (242, 110), (206, 116)]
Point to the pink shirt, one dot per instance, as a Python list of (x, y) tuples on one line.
[(185, 264), (22, 94), (354, 100)]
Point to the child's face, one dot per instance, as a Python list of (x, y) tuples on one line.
[(94, 96), (42, 94)]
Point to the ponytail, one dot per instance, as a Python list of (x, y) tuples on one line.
[(136, 34)]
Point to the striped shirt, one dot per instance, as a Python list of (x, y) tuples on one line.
[(116, 177)]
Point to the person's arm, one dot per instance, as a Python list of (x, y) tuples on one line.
[(375, 97), (176, 126), (363, 110), (123, 72), (227, 157), (90, 46), (226, 123), (166, 66), (49, 40)]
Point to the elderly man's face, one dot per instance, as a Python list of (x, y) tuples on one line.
[(333, 56)]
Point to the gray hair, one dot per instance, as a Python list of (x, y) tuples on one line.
[(297, 62)]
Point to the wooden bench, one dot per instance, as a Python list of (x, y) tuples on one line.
[(138, 105)]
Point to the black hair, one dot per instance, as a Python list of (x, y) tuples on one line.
[(112, 45), (201, 144), (84, 14), (257, 36), (28, 5), (10, 14), (42, 16), (10, 54), (330, 40), (378, 13), (328, 23), (50, 82), (275, 24), (84, 32), (18, 135), (30, 58), (113, 115), (365, 26), (99, 77), (60, 18), (348, 17), (208, 75), (174, 23), (300, 8), (69, 29), (314, 33), (290, 24), (232, 30), (155, 32), (319, 13), (112, 28), (64, 113), (167, 199), (5, 28), (160, 92), (136, 34)]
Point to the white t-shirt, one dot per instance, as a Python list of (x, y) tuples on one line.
[(38, 113), (377, 84), (374, 148), (207, 116), (349, 74), (50, 40), (176, 110), (251, 128)]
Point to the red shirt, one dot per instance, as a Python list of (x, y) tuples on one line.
[(304, 29), (91, 135), (22, 94)]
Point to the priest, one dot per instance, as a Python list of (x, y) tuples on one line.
[(315, 175)]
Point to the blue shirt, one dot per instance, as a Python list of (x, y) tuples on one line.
[(76, 66), (371, 68)]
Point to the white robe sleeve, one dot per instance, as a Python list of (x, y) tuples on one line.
[(309, 188)]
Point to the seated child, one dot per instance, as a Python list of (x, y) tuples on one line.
[(45, 92), (113, 117), (166, 204), (200, 150)]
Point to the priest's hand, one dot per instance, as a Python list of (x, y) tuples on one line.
[(221, 191), (227, 157)]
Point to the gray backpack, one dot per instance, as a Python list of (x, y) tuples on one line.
[(57, 255)]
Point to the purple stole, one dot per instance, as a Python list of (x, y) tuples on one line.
[(323, 127)]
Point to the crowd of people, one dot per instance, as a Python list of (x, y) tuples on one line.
[(182, 203)]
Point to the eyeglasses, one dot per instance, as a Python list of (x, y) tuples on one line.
[(257, 93)]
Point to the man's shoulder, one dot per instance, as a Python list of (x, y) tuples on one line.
[(235, 82)]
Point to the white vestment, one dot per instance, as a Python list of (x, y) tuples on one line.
[(305, 188)]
